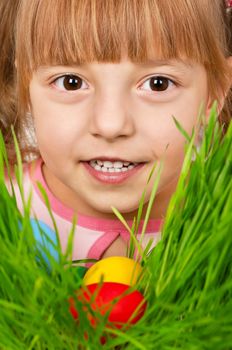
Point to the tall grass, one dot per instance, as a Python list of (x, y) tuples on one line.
[(188, 282)]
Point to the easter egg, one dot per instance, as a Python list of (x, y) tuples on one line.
[(114, 269), (124, 306)]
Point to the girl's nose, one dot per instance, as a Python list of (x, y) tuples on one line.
[(111, 118)]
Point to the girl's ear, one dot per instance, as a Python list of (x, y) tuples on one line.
[(223, 95)]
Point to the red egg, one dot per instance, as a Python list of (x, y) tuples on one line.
[(124, 306)]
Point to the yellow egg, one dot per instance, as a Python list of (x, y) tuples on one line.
[(114, 269)]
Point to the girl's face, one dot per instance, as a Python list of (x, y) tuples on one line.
[(101, 127)]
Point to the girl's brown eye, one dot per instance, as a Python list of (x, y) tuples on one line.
[(72, 82), (159, 83)]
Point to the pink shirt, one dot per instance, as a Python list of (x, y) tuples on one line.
[(92, 235)]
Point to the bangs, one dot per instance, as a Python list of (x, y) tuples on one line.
[(71, 32)]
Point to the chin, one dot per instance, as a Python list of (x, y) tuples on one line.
[(123, 208)]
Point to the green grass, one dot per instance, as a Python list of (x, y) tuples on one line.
[(188, 282)]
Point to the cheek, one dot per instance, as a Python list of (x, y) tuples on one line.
[(157, 125), (57, 127), (169, 147), (165, 139)]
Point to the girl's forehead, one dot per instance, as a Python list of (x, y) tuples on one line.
[(152, 56)]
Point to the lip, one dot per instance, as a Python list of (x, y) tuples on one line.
[(112, 178)]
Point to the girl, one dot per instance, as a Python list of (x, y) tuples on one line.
[(100, 81)]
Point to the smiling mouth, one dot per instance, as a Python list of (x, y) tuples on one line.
[(107, 166), (112, 171)]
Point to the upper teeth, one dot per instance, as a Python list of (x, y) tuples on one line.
[(111, 166)]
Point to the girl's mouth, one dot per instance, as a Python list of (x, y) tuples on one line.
[(112, 167), (109, 171)]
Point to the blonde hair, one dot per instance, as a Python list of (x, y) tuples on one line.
[(78, 31)]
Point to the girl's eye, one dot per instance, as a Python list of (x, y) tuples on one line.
[(70, 82), (158, 84)]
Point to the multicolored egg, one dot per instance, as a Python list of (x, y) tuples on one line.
[(107, 289)]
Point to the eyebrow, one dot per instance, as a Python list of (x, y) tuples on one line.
[(147, 63), (175, 63)]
